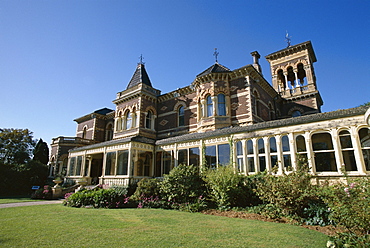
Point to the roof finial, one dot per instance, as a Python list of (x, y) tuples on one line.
[(216, 54), (288, 38), (141, 59)]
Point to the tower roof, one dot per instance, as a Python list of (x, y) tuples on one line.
[(214, 68), (140, 76)]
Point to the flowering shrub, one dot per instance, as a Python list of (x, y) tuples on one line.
[(147, 187), (43, 193), (350, 208)]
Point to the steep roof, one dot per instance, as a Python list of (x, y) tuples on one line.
[(140, 76), (214, 68)]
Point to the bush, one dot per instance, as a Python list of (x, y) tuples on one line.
[(350, 208), (99, 198), (226, 187), (183, 184), (147, 187), (290, 192), (43, 193)]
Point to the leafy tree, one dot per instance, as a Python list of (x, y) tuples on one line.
[(16, 145), (41, 152)]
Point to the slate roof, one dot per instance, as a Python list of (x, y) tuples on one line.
[(140, 76), (265, 125), (214, 68), (103, 111)]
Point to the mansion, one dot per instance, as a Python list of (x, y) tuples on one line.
[(223, 117)]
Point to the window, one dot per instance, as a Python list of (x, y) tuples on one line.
[(167, 162), (182, 156), (181, 116), (110, 162), (364, 136), (239, 156), (218, 155), (209, 106), (211, 156), (84, 132), (122, 162), (119, 124), (86, 171), (286, 152), (347, 151), (221, 104), (79, 166), (72, 164), (301, 149), (273, 152), (148, 120), (324, 152), (301, 73), (261, 154), (250, 156), (109, 132), (194, 155), (128, 120), (296, 113)]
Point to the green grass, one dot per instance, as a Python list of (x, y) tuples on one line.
[(59, 226), (15, 199)]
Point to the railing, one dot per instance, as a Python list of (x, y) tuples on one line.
[(72, 140), (298, 90)]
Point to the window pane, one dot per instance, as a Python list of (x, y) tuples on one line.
[(322, 141), (78, 167), (86, 172), (301, 144), (110, 162), (224, 154), (251, 164), (345, 139), (239, 148), (72, 163), (274, 160), (181, 116), (167, 162), (240, 164), (285, 143), (194, 156), (262, 161), (128, 121), (221, 105), (261, 146), (182, 157), (209, 106), (287, 161), (249, 147), (122, 163), (366, 155), (349, 160), (325, 161), (273, 144), (148, 122), (211, 156)]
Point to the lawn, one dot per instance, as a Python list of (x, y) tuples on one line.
[(15, 199), (59, 226)]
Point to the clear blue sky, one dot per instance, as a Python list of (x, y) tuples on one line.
[(60, 60)]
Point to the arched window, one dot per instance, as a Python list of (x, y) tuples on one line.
[(301, 73), (250, 156), (296, 113), (261, 154), (239, 156), (221, 105), (119, 123), (148, 120), (281, 80), (323, 149), (256, 103), (128, 120), (364, 135), (209, 106), (291, 76), (181, 116), (301, 149), (286, 152), (347, 151), (84, 131), (109, 132), (271, 112), (273, 152)]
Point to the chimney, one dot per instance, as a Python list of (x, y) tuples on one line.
[(256, 56)]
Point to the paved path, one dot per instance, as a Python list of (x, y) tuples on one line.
[(31, 203)]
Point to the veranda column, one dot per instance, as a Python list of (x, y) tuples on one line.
[(293, 151), (255, 155), (337, 151), (279, 151), (244, 147), (310, 154), (266, 141)]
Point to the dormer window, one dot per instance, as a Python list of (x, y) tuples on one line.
[(128, 120), (209, 106), (221, 105), (181, 116), (148, 120)]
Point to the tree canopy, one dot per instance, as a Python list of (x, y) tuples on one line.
[(41, 152), (16, 145)]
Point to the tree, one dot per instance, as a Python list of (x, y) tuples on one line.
[(41, 152), (16, 145)]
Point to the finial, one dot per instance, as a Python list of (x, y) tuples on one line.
[(288, 38), (216, 54), (141, 60)]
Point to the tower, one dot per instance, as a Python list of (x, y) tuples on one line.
[(293, 77)]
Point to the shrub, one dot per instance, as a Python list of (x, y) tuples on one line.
[(317, 213), (147, 187), (226, 187), (182, 185), (350, 208), (43, 193), (290, 192)]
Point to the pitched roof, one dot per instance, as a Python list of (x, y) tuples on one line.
[(140, 76), (214, 68)]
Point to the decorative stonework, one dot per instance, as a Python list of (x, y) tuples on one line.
[(234, 106), (163, 123), (163, 108), (233, 88)]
